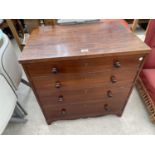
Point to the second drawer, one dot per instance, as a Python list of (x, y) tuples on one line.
[(46, 86)]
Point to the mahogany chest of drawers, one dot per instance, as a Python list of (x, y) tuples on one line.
[(82, 70)]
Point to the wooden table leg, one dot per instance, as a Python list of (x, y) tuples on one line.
[(134, 25), (14, 33)]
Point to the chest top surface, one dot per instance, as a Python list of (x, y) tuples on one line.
[(81, 41)]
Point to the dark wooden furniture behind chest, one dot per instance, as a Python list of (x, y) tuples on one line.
[(82, 70)]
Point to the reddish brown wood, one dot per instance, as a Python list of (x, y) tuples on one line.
[(83, 96), (82, 70), (46, 85), (96, 108), (72, 42), (84, 66)]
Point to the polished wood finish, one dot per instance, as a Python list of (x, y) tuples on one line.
[(83, 70), (83, 66), (80, 42)]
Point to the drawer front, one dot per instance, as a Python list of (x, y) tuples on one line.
[(96, 108), (83, 66), (47, 86), (83, 88), (85, 96)]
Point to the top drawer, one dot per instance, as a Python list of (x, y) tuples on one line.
[(90, 65)]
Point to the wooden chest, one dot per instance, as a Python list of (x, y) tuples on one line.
[(82, 70)]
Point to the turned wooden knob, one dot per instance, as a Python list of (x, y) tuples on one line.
[(117, 64), (57, 84), (113, 79), (106, 107), (54, 70), (109, 93), (63, 111), (60, 98)]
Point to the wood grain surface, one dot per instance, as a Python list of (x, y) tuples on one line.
[(81, 41), (83, 70)]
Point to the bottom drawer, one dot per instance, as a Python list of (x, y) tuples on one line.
[(61, 112)]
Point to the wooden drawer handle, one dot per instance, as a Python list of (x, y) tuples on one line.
[(106, 107), (113, 79), (57, 84), (63, 111), (117, 64), (54, 70), (60, 98), (109, 93)]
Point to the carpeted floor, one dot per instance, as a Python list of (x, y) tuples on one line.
[(135, 119)]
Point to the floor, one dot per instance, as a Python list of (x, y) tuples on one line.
[(135, 119)]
